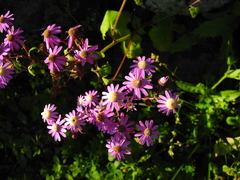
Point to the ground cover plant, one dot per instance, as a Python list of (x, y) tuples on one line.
[(120, 93)]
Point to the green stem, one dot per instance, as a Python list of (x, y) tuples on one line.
[(115, 42), (209, 166), (180, 168), (222, 78)]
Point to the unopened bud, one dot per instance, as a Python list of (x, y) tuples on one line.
[(162, 81)]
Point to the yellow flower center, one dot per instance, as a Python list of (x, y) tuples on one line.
[(137, 83), (1, 19), (117, 149), (142, 64), (171, 103), (84, 54), (47, 33), (2, 71), (55, 127), (46, 114), (113, 96), (147, 132), (73, 121), (121, 129), (99, 117), (89, 98), (80, 101), (73, 32), (10, 37), (52, 58)]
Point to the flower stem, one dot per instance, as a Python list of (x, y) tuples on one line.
[(115, 42)]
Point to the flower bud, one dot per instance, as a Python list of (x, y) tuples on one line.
[(162, 81)]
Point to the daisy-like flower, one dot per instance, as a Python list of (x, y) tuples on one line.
[(117, 147), (5, 73), (49, 38), (74, 121), (85, 53), (5, 21), (101, 117), (4, 51), (73, 33), (168, 103), (48, 114), (80, 103), (129, 105), (12, 38), (148, 132), (57, 129), (162, 81), (137, 84), (123, 129), (143, 66), (113, 97), (55, 61), (91, 98)]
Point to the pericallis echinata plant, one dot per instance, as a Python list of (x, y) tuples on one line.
[(115, 103)]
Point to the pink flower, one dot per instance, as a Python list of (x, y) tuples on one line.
[(73, 33), (12, 38), (168, 103), (143, 66), (101, 117), (4, 51), (113, 97), (123, 129), (74, 121), (55, 61), (48, 114), (5, 21), (130, 105), (85, 53), (162, 81), (49, 38), (80, 103), (91, 98), (117, 147), (5, 73), (147, 132), (137, 84), (57, 129)]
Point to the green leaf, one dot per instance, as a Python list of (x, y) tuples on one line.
[(228, 170), (108, 24), (217, 27), (234, 121), (226, 96), (234, 74), (199, 88), (22, 117), (221, 148), (135, 47), (138, 2), (183, 43), (234, 142), (194, 11), (162, 35)]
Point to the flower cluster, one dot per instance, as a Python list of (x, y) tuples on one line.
[(108, 112)]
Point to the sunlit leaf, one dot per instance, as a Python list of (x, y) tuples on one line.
[(234, 121), (234, 142), (199, 88), (234, 74), (194, 11), (134, 49), (138, 2), (108, 23)]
